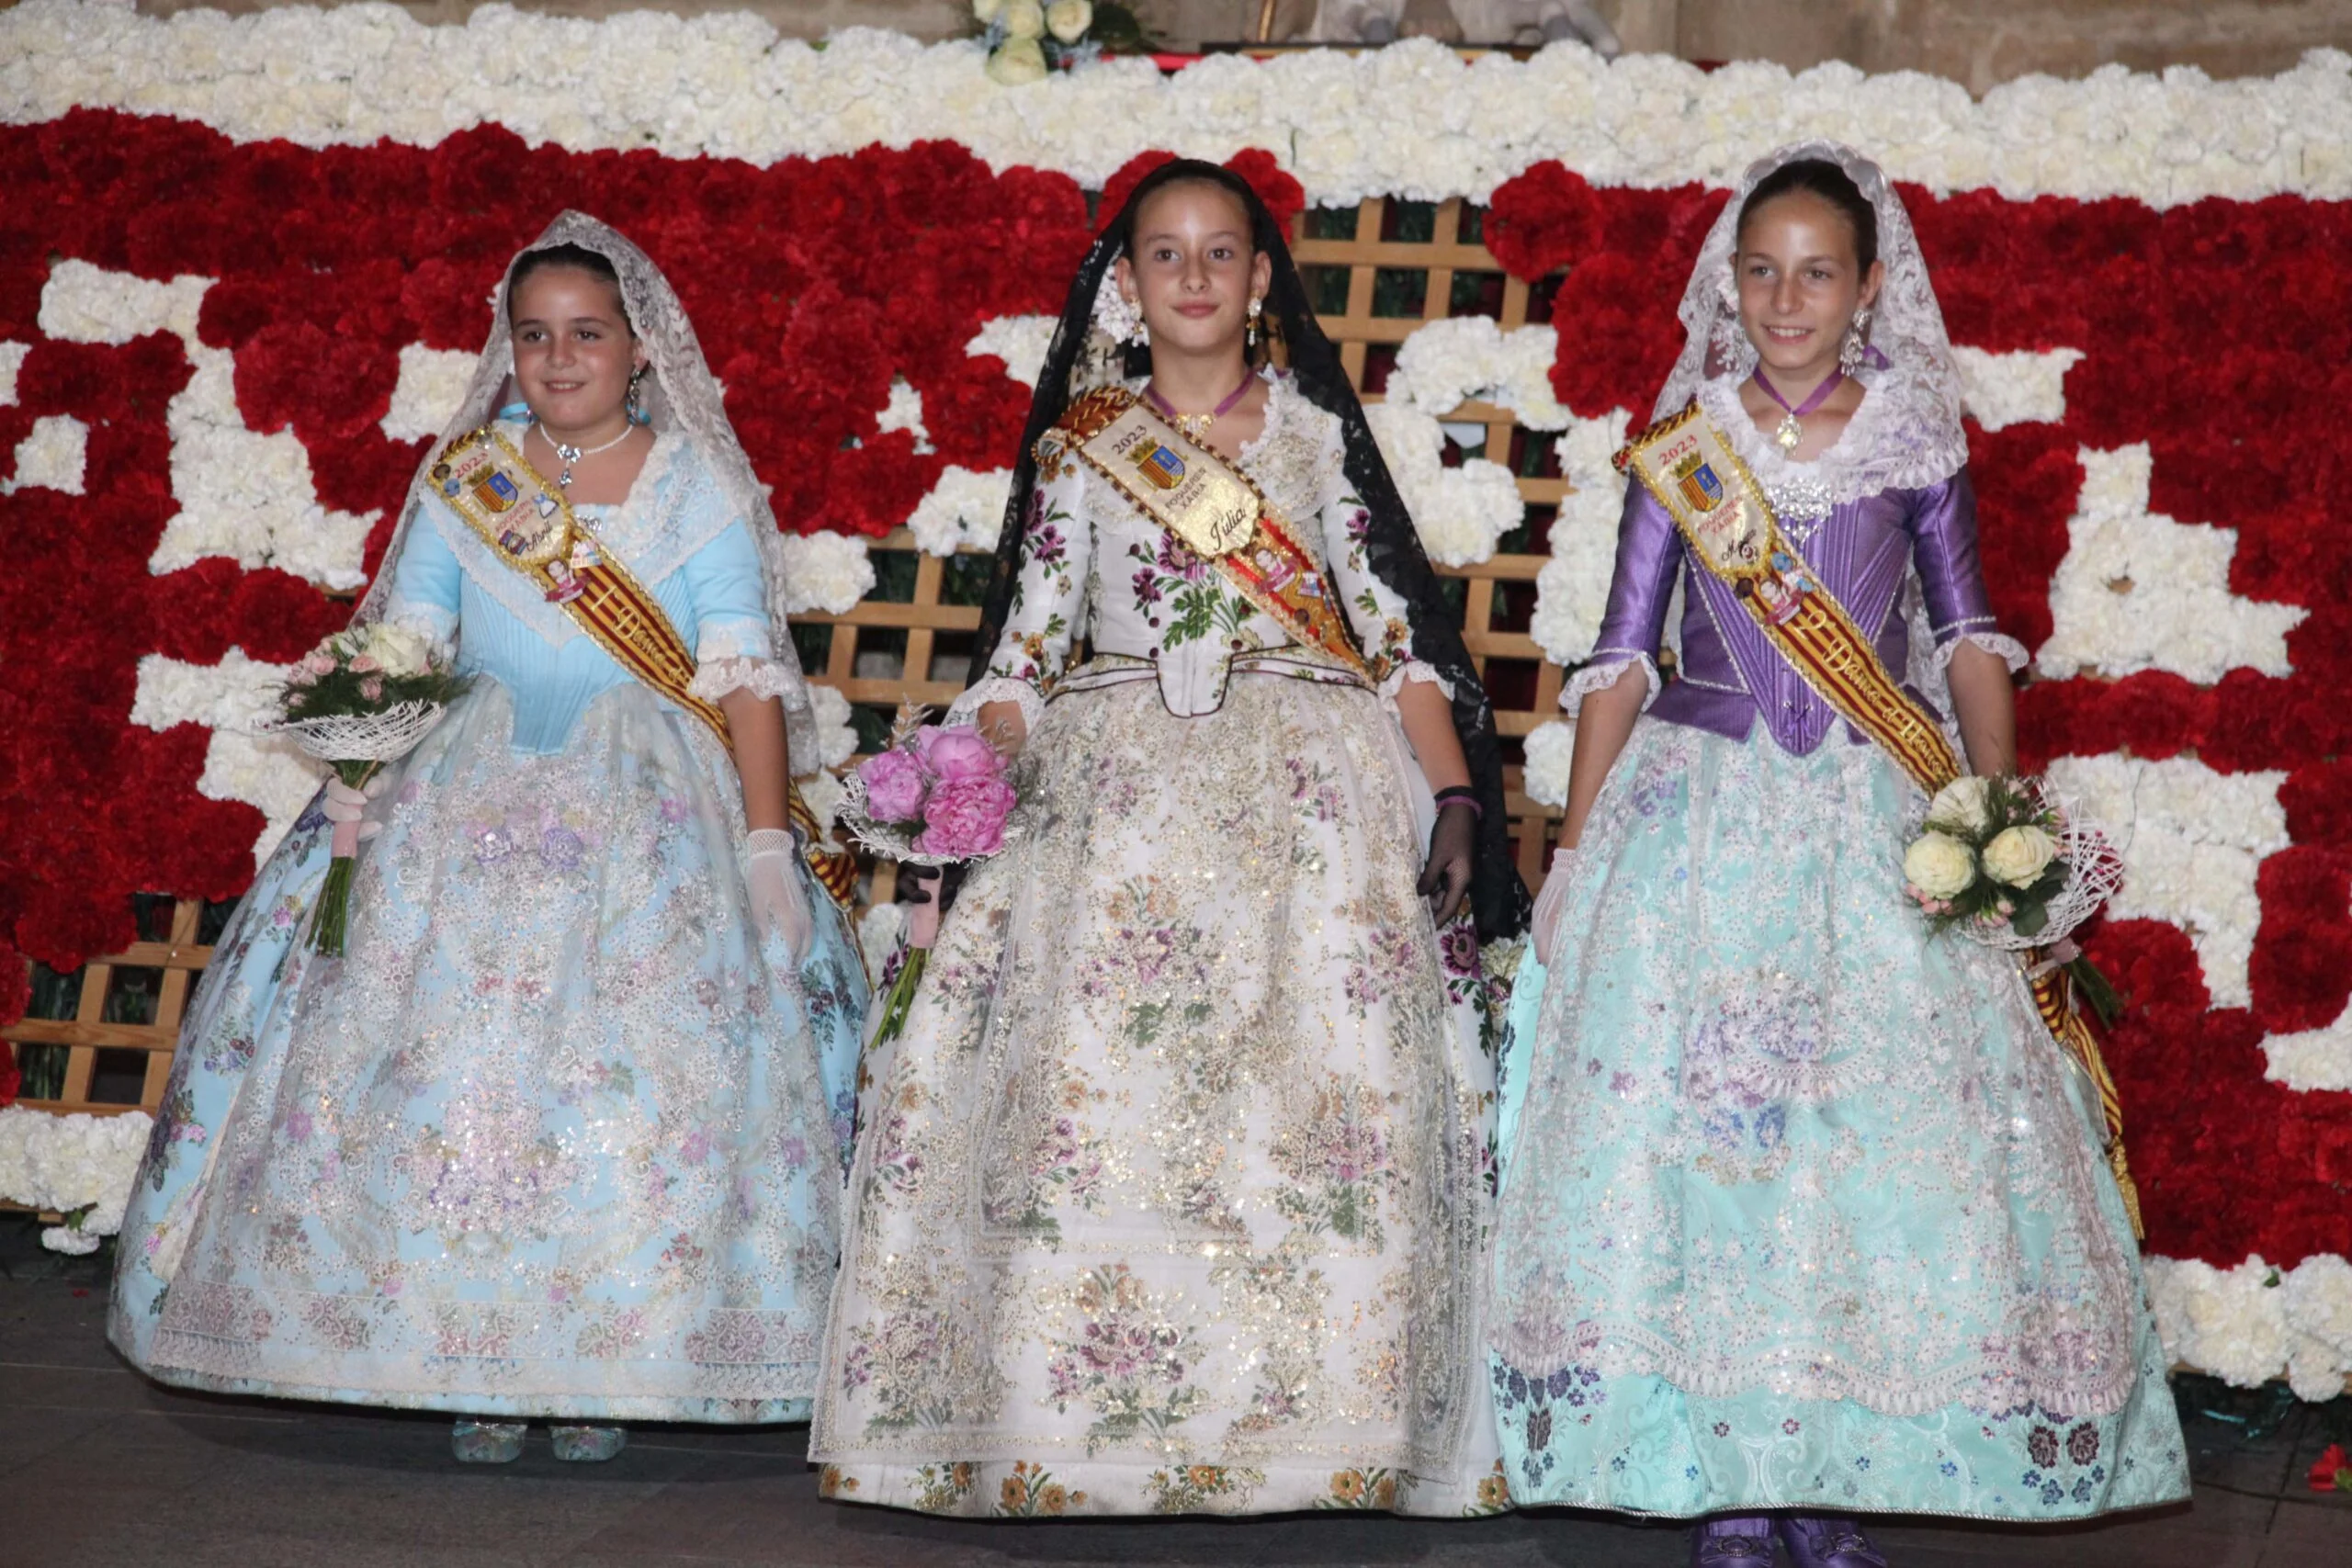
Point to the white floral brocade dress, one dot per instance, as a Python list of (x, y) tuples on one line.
[(1171, 1193)]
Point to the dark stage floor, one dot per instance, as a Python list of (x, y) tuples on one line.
[(102, 1469)]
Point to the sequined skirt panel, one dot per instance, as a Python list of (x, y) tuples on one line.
[(1801, 1206), (1170, 1194), (556, 1136)]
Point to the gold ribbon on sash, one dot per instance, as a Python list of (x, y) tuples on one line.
[(529, 525), (1728, 524), (1215, 511)]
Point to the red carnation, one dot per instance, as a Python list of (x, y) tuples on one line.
[(1541, 220)]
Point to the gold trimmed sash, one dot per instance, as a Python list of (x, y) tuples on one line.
[(1217, 510), (1728, 524), (529, 525)]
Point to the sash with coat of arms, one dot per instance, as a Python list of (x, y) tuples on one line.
[(529, 525), (1215, 509), (1728, 525)]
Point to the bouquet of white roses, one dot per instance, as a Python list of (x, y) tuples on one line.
[(2000, 861), (362, 698)]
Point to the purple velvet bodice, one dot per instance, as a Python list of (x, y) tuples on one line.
[(1858, 548)]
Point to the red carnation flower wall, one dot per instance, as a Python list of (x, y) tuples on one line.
[(2207, 329)]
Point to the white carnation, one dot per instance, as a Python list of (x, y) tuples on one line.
[(82, 303), (1459, 513), (2002, 389), (964, 510), (12, 359), (431, 389), (836, 736), (904, 411), (826, 571), (878, 933), (52, 456), (1022, 341), (1551, 747)]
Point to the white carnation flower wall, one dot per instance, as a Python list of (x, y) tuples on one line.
[(1414, 120)]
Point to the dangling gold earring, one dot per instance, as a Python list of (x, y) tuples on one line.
[(1141, 337), (1250, 334), (635, 407)]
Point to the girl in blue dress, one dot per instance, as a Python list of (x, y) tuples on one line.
[(1803, 1214), (559, 1134)]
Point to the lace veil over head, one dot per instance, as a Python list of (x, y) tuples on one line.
[(1906, 434), (682, 400)]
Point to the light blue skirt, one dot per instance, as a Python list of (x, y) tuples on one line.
[(1801, 1206), (558, 1135)]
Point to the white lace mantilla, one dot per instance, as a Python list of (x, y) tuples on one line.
[(1906, 434)]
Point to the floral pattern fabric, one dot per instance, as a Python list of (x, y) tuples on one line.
[(1171, 1193), (1802, 1207), (558, 1135), (1095, 567)]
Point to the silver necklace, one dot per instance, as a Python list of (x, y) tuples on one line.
[(571, 455)]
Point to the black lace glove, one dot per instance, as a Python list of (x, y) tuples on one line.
[(919, 885), (1445, 880)]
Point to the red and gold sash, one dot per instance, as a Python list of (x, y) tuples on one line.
[(1216, 509), (1728, 524), (529, 525)]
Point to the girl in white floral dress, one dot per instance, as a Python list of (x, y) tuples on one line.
[(1170, 1191)]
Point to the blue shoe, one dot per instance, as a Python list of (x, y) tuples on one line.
[(486, 1442), (588, 1445), (1733, 1542), (1818, 1541)]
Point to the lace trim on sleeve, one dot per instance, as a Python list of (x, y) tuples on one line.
[(1413, 669), (2009, 648), (732, 640), (718, 678), (966, 709), (1601, 674)]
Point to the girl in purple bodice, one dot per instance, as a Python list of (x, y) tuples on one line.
[(1803, 1214)]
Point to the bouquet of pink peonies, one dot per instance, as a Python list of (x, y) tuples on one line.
[(362, 698), (2002, 861), (936, 794)]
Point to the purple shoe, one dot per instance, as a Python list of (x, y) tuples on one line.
[(1729, 1542), (1817, 1540)]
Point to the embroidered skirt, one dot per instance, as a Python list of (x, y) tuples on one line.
[(1170, 1194), (556, 1137), (1801, 1206)]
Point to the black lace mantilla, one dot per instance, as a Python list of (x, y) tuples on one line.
[(1392, 548)]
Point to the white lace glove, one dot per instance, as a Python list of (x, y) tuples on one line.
[(771, 875), (1548, 905)]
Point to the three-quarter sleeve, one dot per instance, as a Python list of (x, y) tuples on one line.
[(1951, 576), (736, 646), (1381, 618), (427, 583), (1048, 595), (1649, 553)]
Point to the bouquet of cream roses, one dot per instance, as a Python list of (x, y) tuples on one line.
[(2001, 862), (362, 698)]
